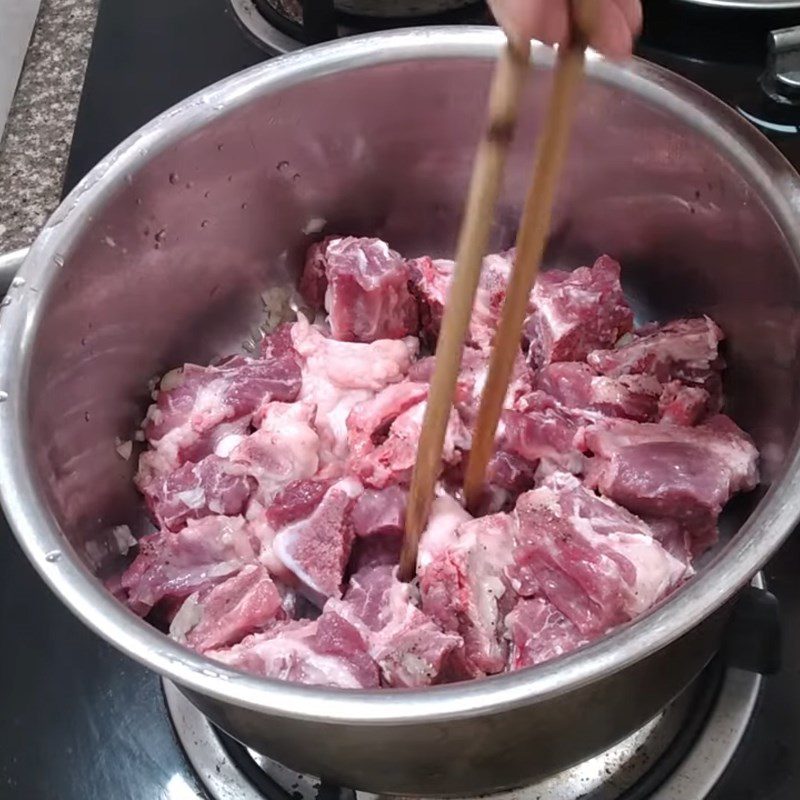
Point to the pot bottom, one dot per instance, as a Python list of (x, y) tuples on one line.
[(683, 751)]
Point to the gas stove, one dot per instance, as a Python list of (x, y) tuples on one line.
[(79, 720)]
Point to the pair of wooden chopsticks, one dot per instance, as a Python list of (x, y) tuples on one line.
[(504, 101)]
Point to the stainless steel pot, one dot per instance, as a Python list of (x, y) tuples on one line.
[(160, 256), (749, 5)]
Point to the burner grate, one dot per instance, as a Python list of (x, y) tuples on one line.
[(681, 753), (278, 35)]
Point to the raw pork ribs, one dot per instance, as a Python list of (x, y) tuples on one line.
[(278, 483)]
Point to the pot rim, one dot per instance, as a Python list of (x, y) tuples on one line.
[(38, 533)]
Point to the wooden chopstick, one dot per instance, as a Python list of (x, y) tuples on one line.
[(531, 241), (484, 191)]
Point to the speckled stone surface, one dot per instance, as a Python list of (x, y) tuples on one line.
[(35, 146)]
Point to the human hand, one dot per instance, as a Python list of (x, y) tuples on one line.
[(616, 22)]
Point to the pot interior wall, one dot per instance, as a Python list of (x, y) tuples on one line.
[(172, 268)]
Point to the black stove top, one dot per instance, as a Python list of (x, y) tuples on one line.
[(79, 720)]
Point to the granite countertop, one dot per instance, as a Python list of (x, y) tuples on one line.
[(36, 141)]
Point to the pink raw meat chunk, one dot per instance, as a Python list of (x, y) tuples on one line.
[(295, 501), (369, 422), (244, 603), (316, 548), (379, 512), (194, 400), (211, 486), (576, 386), (364, 285), (593, 560), (375, 551), (686, 350), (337, 375), (472, 377), (683, 405), (489, 298), (405, 643), (538, 632), (384, 435), (541, 430), (670, 470), (284, 449), (464, 589), (576, 312), (680, 539), (510, 472), (174, 565), (326, 652), (217, 441), (507, 476), (431, 280), (278, 346)]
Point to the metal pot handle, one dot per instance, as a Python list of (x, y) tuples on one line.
[(781, 79), (9, 264)]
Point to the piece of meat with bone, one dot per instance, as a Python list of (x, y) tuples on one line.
[(316, 547), (446, 516), (211, 486), (464, 589), (431, 280), (473, 372), (379, 512), (337, 375), (194, 400), (489, 298), (682, 405), (171, 566), (576, 312), (284, 449), (364, 286), (370, 421), (542, 430), (217, 441), (406, 644), (378, 521), (294, 502), (242, 604), (384, 435), (594, 561), (537, 632), (575, 385), (686, 350), (507, 476), (328, 651), (671, 470)]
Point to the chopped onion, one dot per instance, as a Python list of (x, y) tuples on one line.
[(124, 538), (125, 448), (314, 225), (172, 380)]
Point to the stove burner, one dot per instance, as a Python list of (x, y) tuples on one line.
[(276, 34), (681, 753)]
